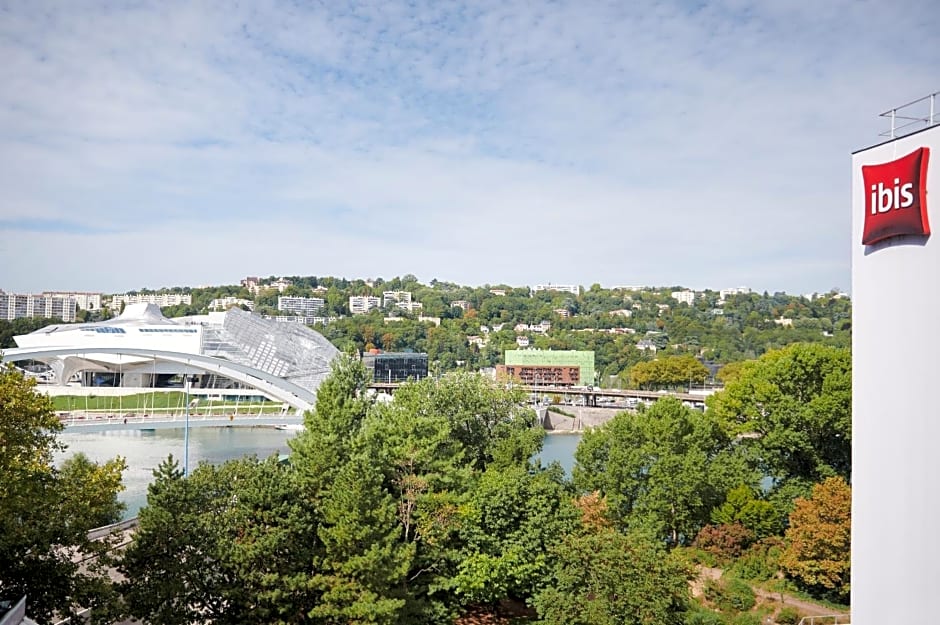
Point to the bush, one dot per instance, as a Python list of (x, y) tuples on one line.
[(726, 541), (761, 561), (730, 594), (746, 619), (788, 616), (703, 617)]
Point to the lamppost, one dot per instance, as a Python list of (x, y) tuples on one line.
[(187, 380)]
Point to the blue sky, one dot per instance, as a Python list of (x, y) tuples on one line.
[(667, 143)]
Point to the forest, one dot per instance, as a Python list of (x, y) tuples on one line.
[(431, 509)]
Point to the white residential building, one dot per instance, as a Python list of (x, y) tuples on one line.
[(646, 345), (564, 313), (360, 304), (564, 288), (498, 292), (460, 303), (303, 306), (158, 299), (724, 294), (84, 300), (17, 306), (224, 303), (398, 297), (522, 341), (623, 312), (684, 297)]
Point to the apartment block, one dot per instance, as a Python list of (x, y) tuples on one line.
[(303, 306), (397, 297), (564, 288), (17, 306), (84, 299), (361, 304), (160, 299)]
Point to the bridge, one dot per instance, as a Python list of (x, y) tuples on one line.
[(95, 422), (589, 395)]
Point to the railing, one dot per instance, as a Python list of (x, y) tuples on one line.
[(828, 619), (909, 117)]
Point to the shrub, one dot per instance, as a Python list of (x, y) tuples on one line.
[(726, 541), (761, 561), (746, 619), (703, 617), (730, 594), (788, 616)]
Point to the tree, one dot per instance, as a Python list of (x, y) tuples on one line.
[(742, 506), (607, 578), (45, 512), (669, 371), (819, 540), (666, 467), (224, 545), (513, 520), (793, 408)]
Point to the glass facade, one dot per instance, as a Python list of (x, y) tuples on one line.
[(396, 367)]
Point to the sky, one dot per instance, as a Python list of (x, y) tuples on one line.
[(702, 144)]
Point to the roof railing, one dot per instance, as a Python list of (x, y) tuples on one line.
[(910, 117)]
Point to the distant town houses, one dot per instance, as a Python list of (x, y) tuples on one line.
[(256, 285), (724, 294), (646, 345), (540, 328), (224, 303), (684, 297), (563, 288), (158, 299)]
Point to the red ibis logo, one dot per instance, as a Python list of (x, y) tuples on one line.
[(896, 197)]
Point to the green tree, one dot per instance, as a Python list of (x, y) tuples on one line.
[(667, 467), (742, 506), (224, 545), (670, 371), (513, 520), (45, 513), (793, 409), (607, 578)]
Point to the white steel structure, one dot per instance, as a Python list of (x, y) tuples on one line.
[(287, 362), (895, 425)]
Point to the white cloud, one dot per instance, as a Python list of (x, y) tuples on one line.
[(478, 142)]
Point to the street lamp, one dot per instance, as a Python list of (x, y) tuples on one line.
[(187, 380)]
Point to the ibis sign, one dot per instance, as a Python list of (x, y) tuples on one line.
[(896, 197)]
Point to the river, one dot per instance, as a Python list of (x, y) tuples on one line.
[(144, 450)]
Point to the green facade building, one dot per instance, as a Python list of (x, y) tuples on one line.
[(554, 358)]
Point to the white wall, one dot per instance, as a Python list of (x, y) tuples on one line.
[(896, 408)]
